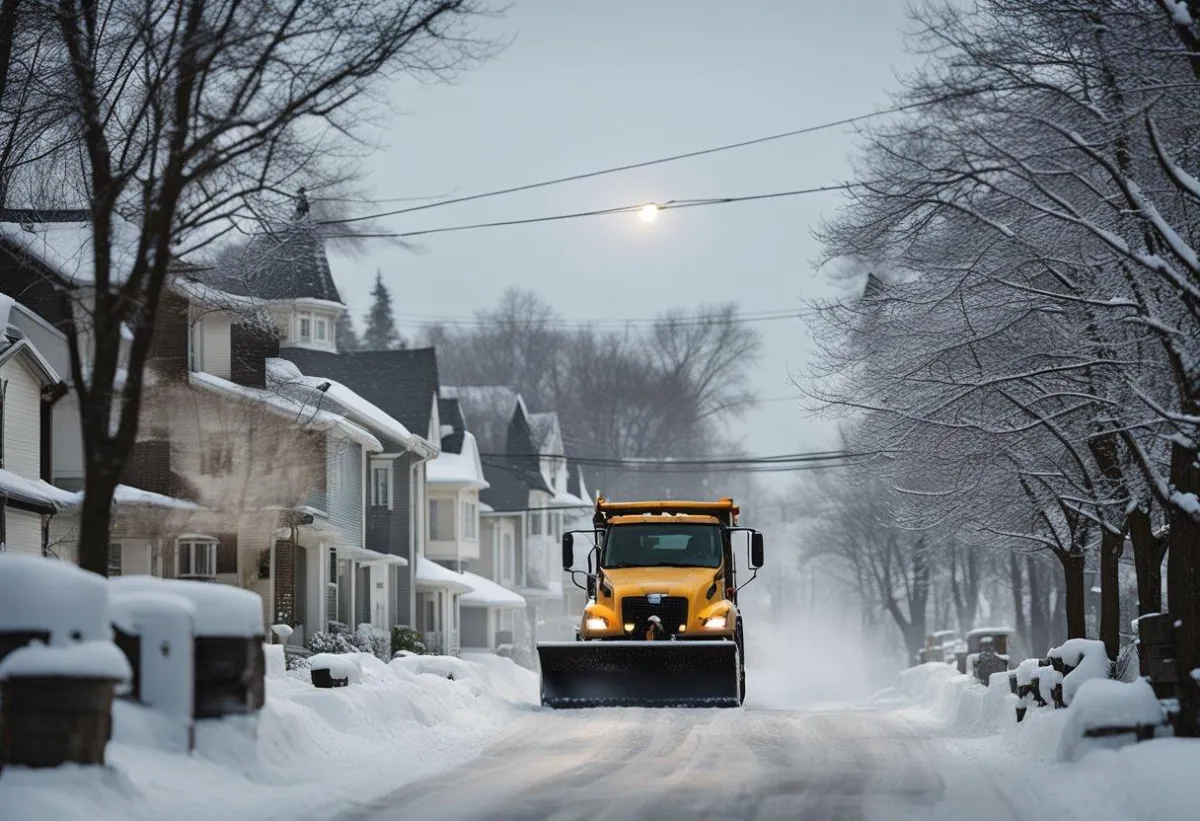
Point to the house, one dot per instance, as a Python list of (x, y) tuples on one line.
[(456, 478), (377, 494), (404, 385), (29, 387), (517, 520)]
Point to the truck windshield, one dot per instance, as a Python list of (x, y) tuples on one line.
[(665, 545)]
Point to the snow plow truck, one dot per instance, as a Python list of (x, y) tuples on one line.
[(661, 627)]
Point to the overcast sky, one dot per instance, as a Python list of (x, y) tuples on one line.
[(587, 84)]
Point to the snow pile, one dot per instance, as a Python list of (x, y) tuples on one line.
[(86, 659), (955, 701), (314, 752), (340, 665), (1089, 660), (1101, 704)]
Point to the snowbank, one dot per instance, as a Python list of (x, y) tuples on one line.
[(1088, 657), (1103, 703), (339, 665), (315, 751)]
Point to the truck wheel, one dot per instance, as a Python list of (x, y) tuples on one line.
[(741, 664)]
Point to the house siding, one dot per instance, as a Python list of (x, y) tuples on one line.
[(344, 494), (22, 419), (23, 531)]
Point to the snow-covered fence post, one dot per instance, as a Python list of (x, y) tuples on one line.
[(56, 691), (158, 633)]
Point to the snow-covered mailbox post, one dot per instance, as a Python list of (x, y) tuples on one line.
[(987, 652), (60, 668), (228, 663), (155, 630)]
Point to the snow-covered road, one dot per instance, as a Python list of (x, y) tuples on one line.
[(696, 764)]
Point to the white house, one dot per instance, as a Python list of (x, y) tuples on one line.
[(28, 388)]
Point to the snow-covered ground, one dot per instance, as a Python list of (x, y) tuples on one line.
[(317, 752), (1041, 761)]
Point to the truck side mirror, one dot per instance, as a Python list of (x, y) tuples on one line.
[(568, 551), (591, 587), (756, 550)]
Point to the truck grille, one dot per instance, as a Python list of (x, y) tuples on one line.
[(671, 610)]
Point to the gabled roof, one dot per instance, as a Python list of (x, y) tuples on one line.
[(402, 383), (64, 246), (546, 434), (486, 410), (284, 262)]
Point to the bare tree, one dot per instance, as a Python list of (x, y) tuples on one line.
[(185, 121)]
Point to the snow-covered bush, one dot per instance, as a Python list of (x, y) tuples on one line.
[(407, 640), (331, 643), (370, 639)]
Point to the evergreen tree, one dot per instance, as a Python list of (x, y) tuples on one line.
[(381, 334), (347, 337)]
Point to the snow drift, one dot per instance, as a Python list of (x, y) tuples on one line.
[(310, 750)]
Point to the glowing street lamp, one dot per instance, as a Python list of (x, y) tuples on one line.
[(648, 212)]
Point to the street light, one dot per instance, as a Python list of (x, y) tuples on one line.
[(648, 212)]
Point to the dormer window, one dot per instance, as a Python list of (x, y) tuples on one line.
[(305, 328), (320, 330)]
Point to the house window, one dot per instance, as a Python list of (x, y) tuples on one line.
[(196, 556), (508, 564), (305, 328), (430, 615), (217, 459), (114, 559), (469, 520), (535, 523), (380, 495), (321, 330)]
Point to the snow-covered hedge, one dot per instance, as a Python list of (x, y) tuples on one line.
[(1087, 659), (340, 639)]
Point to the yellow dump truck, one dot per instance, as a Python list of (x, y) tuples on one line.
[(661, 626)]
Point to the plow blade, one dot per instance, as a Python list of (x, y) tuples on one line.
[(639, 674)]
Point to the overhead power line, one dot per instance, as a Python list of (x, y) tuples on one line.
[(647, 163), (607, 323), (605, 212)]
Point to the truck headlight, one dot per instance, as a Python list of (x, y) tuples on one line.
[(596, 623), (715, 623)]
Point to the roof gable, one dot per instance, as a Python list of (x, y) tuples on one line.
[(403, 383)]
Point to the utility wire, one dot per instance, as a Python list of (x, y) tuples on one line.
[(647, 163), (784, 458), (604, 212), (642, 323)]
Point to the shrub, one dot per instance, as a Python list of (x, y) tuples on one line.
[(407, 639), (370, 639), (331, 642)]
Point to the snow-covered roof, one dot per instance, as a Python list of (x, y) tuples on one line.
[(283, 375), (87, 659), (128, 496), (990, 631), (484, 507), (244, 308), (487, 593), (290, 408), (568, 500), (35, 492), (362, 554), (463, 469), (547, 436), (38, 593), (221, 609), (66, 247), (432, 574)]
